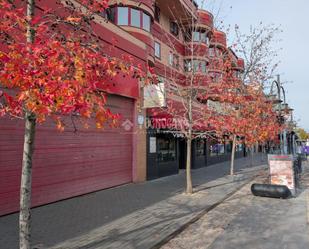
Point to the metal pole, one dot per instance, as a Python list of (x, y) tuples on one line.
[(293, 136), (279, 96)]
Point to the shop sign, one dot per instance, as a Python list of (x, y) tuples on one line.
[(154, 95)]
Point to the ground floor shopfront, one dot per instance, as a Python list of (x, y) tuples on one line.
[(166, 153)]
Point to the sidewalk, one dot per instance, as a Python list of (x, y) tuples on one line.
[(245, 221), (130, 216)]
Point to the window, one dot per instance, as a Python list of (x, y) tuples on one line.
[(174, 28), (135, 18), (221, 149), (176, 61), (158, 50), (187, 65), (173, 60), (216, 149), (200, 36), (213, 149), (200, 147), (212, 52), (198, 66), (157, 13), (123, 16), (146, 22), (239, 147), (204, 38), (196, 36), (228, 147), (110, 14), (166, 149), (203, 66)]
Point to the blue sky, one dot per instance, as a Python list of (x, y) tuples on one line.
[(293, 16)]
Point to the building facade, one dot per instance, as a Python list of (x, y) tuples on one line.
[(154, 33), (181, 38)]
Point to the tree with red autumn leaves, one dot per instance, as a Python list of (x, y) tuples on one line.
[(253, 119), (260, 57), (52, 65), (248, 114)]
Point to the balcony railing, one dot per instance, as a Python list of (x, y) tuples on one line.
[(218, 38)]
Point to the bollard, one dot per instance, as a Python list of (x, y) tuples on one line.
[(270, 190)]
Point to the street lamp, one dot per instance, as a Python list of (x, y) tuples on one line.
[(280, 92)]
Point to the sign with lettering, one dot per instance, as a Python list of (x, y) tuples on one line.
[(281, 171)]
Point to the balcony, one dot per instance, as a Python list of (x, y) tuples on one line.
[(205, 19), (216, 64), (180, 10), (190, 5), (239, 65), (218, 39), (199, 50), (146, 5)]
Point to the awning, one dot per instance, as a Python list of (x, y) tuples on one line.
[(174, 116)]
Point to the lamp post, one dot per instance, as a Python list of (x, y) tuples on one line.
[(280, 92)]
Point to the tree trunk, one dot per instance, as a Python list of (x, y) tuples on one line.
[(251, 157), (26, 175), (189, 189), (263, 152), (233, 156), (25, 186)]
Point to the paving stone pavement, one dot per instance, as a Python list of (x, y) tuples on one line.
[(249, 222), (130, 216)]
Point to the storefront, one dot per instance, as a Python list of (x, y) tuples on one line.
[(163, 154), (220, 151), (167, 152)]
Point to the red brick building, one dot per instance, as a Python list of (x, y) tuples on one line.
[(69, 164)]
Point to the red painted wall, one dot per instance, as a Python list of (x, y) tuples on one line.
[(66, 164), (115, 46)]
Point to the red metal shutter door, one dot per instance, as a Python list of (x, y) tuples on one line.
[(66, 164)]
